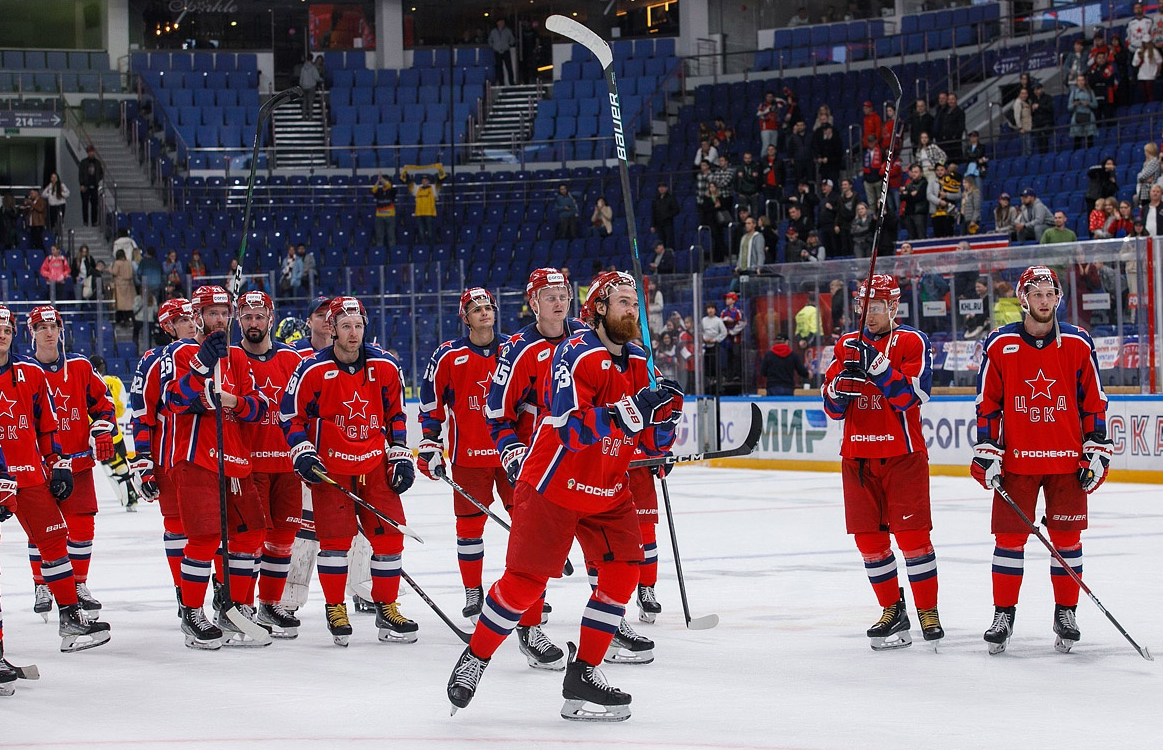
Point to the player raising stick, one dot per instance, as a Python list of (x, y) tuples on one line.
[(343, 414), (573, 483), (876, 384), (1041, 413)]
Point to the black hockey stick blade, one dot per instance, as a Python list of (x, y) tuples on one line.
[(748, 445), (890, 80), (464, 636), (402, 528)]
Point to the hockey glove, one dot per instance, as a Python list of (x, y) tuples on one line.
[(400, 468), (511, 460), (635, 413), (143, 478), (846, 385), (7, 496), (1096, 457), (866, 358), (662, 471), (431, 459), (986, 466), (213, 349), (61, 483), (306, 462), (670, 414), (101, 440)]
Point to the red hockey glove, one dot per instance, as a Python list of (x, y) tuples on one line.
[(511, 460), (431, 458), (846, 385), (986, 466), (1096, 457), (865, 357), (101, 440), (7, 496), (143, 478)]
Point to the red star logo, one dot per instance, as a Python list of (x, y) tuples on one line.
[(356, 406), (271, 390), (61, 400), (1040, 386), (484, 384), (576, 341), (6, 405)]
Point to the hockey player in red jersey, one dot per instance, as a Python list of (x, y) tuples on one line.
[(1041, 423), (8, 673), (153, 460), (86, 428), (343, 414), (877, 383), (191, 371), (573, 482), (44, 478), (273, 477)]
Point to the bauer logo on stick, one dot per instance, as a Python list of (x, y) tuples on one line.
[(619, 136)]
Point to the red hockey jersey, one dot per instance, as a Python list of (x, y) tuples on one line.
[(28, 421), (145, 402), (1039, 400), (272, 371), (456, 385), (79, 394)]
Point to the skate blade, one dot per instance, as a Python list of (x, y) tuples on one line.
[(387, 635), (616, 655), (341, 640), (242, 640), (71, 643), (198, 645), (903, 639), (551, 666), (471, 618), (646, 617), (576, 709), (45, 615), (285, 634), (997, 648), (1063, 645)]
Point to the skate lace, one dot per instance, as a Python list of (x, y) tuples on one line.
[(42, 593), (198, 619), (1067, 619), (597, 678), (887, 617), (929, 618), (278, 610), (646, 594), (625, 631), (83, 591), (537, 639), (391, 613), (337, 615), (468, 673), (472, 597), (1000, 621)]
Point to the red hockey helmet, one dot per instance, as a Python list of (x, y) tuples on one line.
[(473, 298), (600, 289), (1033, 276), (542, 278), (43, 314), (7, 318), (342, 307), (207, 296), (255, 299), (883, 286), (171, 310)]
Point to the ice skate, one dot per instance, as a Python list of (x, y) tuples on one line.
[(23, 673), (546, 608), (1065, 628), (538, 649), (91, 606), (78, 632), (42, 600), (359, 604), (998, 635), (648, 606), (628, 647), (200, 633), (931, 625), (588, 697), (278, 620), (338, 623), (891, 631), (181, 607), (233, 635), (394, 627), (466, 675), (7, 675), (474, 599)]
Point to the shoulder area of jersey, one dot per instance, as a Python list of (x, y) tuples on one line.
[(377, 352), (281, 347), (1008, 331)]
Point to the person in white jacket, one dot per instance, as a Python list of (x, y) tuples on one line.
[(56, 194), (714, 334)]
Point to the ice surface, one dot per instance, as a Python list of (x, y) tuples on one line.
[(787, 667)]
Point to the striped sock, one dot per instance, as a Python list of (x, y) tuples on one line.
[(648, 570), (332, 567), (242, 577), (58, 575), (273, 571), (1008, 568), (175, 546), (922, 572), (34, 563), (386, 577), (470, 555), (493, 626), (600, 621), (1065, 587), (80, 553), (195, 578), (882, 576)]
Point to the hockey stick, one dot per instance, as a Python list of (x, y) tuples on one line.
[(403, 529), (749, 444), (1143, 652), (31, 672), (568, 569), (462, 635), (706, 622)]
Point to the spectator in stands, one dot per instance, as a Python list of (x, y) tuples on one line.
[(952, 129), (90, 172), (706, 152), (791, 112), (1152, 213), (1121, 59), (800, 18), (799, 220), (799, 150), (976, 162), (1033, 218), (873, 169), (780, 366), (976, 324), (150, 275), (56, 195), (124, 286), (290, 272), (748, 182), (1103, 80), (663, 210), (1073, 65), (807, 320), (921, 121), (813, 251), (426, 193), (602, 219), (1103, 182), (104, 282), (1098, 47), (703, 179), (654, 304), (738, 228), (839, 305), (310, 268), (171, 264), (662, 261), (9, 222), (827, 217), (1140, 29), (970, 205), (823, 117), (845, 213), (807, 199), (1123, 222), (939, 111), (860, 230), (929, 155), (714, 333), (196, 268), (828, 152), (1138, 230), (1101, 217), (751, 252), (666, 356), (1007, 309), (886, 128), (83, 269), (723, 175), (1042, 117), (769, 121), (54, 269), (715, 213), (124, 243), (501, 41), (944, 194), (1024, 120), (725, 136), (384, 193), (892, 201), (871, 124), (35, 213), (915, 197), (1083, 106), (1146, 62), (1058, 233), (771, 172), (793, 246), (770, 241), (309, 79)]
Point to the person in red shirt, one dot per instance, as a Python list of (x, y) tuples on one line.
[(1041, 424), (343, 415), (273, 478), (44, 478), (872, 124), (197, 376), (877, 383), (573, 483), (886, 127), (86, 429)]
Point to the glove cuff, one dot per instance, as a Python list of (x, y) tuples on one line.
[(398, 453), (302, 449), (101, 426)]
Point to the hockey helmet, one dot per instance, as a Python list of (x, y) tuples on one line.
[(883, 287), (473, 298), (255, 299), (542, 278), (344, 306), (172, 310), (600, 289), (289, 330), (1036, 275), (207, 296), (42, 314), (7, 318)]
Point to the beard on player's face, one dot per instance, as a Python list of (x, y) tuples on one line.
[(622, 329), (255, 335)]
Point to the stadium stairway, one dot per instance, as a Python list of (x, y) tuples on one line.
[(134, 189), (509, 121)]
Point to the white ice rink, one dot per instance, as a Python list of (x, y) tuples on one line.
[(788, 667)]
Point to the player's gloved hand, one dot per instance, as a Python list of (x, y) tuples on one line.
[(662, 471), (101, 440), (865, 357), (306, 462), (645, 408), (7, 496), (1096, 457), (847, 384), (212, 349), (143, 478), (61, 483), (986, 466), (670, 414), (431, 458), (511, 460), (400, 468)]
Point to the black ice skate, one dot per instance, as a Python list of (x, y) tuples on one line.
[(648, 606), (278, 620), (588, 697), (9, 673), (998, 635), (7, 677), (474, 599), (1065, 628), (546, 608), (891, 631), (538, 649), (232, 632), (42, 600), (931, 625), (394, 627), (91, 606), (359, 604), (338, 623), (181, 607), (466, 675), (78, 632), (628, 647), (200, 633)]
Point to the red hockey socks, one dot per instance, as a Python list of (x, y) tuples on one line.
[(1069, 546), (196, 566), (648, 570), (513, 594), (605, 610), (174, 541), (275, 564), (34, 563), (332, 567), (880, 566), (80, 544), (1009, 559), (920, 565), (470, 549), (58, 576), (385, 571)]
